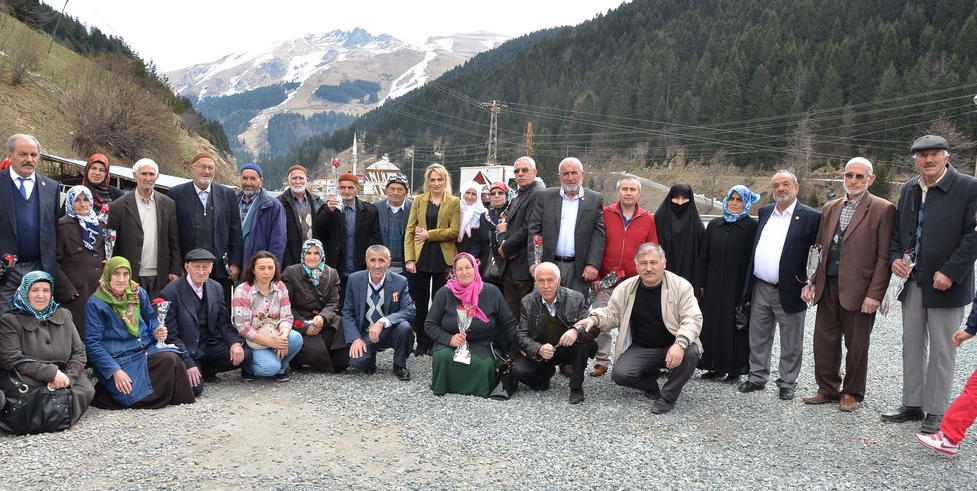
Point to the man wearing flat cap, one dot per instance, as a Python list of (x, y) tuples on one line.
[(262, 217), (347, 228), (392, 213), (199, 323), (208, 218), (301, 206), (934, 223)]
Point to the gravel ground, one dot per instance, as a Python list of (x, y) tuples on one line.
[(375, 432)]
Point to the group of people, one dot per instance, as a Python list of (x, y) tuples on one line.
[(158, 294)]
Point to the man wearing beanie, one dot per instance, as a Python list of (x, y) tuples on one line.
[(347, 228), (301, 207), (393, 212), (208, 218), (262, 217)]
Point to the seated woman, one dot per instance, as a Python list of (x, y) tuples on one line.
[(491, 321), (313, 290), (38, 328), (262, 314), (121, 324)]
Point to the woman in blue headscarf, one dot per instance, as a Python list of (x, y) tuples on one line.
[(80, 252), (37, 328), (725, 256), (313, 289)]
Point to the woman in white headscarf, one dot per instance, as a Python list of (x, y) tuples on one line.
[(80, 252), (472, 210)]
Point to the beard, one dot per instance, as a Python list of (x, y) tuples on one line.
[(297, 189)]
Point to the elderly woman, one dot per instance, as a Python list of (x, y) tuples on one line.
[(725, 256), (430, 243), (313, 291), (491, 321), (132, 371), (97, 179), (37, 328), (262, 313), (80, 251), (491, 232), (472, 210)]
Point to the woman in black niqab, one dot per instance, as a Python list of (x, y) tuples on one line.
[(680, 232)]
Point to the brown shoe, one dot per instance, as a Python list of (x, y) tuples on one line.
[(567, 370), (818, 398), (848, 403), (598, 371)]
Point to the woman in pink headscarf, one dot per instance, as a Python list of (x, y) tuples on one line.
[(491, 321)]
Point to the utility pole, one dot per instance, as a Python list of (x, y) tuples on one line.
[(529, 139), (56, 25), (494, 107)]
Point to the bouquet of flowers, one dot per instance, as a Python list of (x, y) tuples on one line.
[(465, 314), (9, 260), (896, 284), (109, 235), (537, 249), (813, 261)]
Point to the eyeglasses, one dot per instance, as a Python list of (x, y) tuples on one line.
[(207, 168), (521, 170), (497, 193), (852, 175)]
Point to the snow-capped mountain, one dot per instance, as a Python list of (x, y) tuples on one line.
[(329, 59)]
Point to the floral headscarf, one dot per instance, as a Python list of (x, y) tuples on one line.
[(468, 295), (748, 199), (89, 222), (22, 301), (322, 261), (470, 214), (125, 304)]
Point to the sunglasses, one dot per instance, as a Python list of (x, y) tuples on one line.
[(852, 175), (521, 170)]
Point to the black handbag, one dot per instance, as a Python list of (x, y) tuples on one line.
[(494, 268), (741, 318), (32, 410), (506, 385)]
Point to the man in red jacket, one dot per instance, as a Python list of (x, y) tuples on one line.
[(627, 226)]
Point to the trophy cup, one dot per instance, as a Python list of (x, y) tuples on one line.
[(462, 355), (162, 306), (813, 260)]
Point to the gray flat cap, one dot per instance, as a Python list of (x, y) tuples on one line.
[(930, 142)]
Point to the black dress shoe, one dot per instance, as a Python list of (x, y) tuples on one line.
[(786, 393), (653, 394), (402, 373), (902, 414), (370, 371), (710, 375), (661, 406), (576, 396), (750, 387), (931, 424)]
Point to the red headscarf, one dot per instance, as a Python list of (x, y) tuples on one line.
[(468, 295), (101, 191)]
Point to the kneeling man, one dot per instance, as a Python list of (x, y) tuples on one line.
[(663, 332), (547, 337)]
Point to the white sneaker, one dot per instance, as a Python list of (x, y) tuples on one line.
[(938, 443)]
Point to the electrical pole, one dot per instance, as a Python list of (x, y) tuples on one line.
[(529, 139), (494, 108)]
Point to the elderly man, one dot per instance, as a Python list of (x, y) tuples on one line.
[(392, 213), (516, 280), (199, 323), (262, 217), (347, 228), (547, 336), (627, 225), (786, 230), (935, 222), (30, 217), (301, 207), (662, 333), (146, 230), (208, 218), (854, 236), (377, 314)]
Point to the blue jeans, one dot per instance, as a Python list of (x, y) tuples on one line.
[(265, 362)]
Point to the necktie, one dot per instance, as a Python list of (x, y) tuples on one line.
[(23, 188), (919, 228)]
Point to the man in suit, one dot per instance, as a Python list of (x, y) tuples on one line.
[(208, 218), (30, 218), (785, 233), (392, 213), (146, 230), (516, 280), (262, 217), (347, 228), (849, 285), (570, 220), (934, 222), (199, 323), (377, 314), (301, 207)]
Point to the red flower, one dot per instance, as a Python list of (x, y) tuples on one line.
[(105, 208), (157, 301), (538, 240), (298, 324)]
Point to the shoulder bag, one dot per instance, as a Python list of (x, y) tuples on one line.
[(32, 410)]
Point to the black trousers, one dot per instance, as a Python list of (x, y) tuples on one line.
[(212, 359), (422, 286), (537, 373), (638, 368)]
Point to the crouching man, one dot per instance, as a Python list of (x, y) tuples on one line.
[(662, 333)]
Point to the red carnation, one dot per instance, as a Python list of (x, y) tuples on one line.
[(157, 301)]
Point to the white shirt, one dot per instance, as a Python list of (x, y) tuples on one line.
[(766, 258), (565, 245), (203, 197)]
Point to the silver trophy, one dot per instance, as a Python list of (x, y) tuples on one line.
[(462, 355), (162, 306)]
